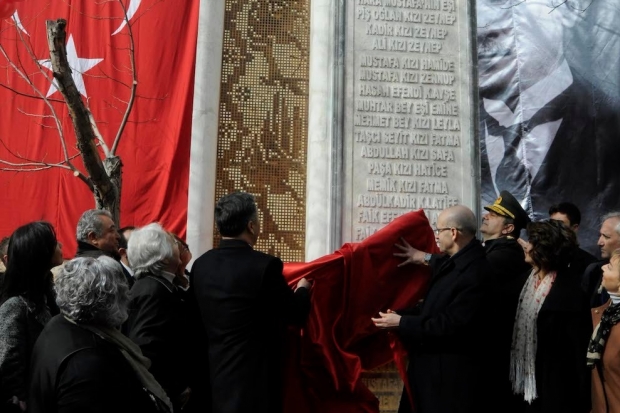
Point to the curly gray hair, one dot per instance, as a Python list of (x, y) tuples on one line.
[(90, 222), (149, 250), (93, 291)]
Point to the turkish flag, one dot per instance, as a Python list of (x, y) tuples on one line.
[(36, 135)]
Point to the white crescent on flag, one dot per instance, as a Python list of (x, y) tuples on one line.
[(18, 23), (131, 11)]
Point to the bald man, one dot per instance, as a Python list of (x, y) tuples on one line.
[(444, 335)]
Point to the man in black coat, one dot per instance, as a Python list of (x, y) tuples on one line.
[(500, 231), (245, 305), (580, 259), (444, 335), (97, 235), (609, 241), (158, 319)]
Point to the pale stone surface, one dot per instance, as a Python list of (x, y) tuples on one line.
[(203, 155), (408, 125)]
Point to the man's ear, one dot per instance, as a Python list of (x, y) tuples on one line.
[(575, 227), (250, 227), (92, 238), (122, 252), (508, 229)]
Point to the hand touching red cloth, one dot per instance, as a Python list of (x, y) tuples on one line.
[(340, 341)]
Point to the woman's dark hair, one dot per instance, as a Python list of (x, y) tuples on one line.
[(30, 254), (233, 212), (552, 244)]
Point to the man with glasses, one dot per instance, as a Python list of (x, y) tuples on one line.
[(443, 335)]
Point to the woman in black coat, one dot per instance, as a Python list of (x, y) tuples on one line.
[(552, 327), (81, 361)]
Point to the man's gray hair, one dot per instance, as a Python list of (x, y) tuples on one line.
[(93, 291), (149, 250), (614, 214), (90, 221)]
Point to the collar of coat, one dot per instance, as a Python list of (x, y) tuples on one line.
[(461, 260), (234, 243)]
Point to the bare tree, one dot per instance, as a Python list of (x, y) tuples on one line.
[(102, 172)]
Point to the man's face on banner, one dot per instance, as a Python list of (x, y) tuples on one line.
[(517, 40)]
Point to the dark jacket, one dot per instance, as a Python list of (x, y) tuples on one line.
[(245, 305), (579, 261), (564, 327), (591, 283), (87, 250), (507, 261), (75, 371), (158, 323), (445, 340), (21, 322)]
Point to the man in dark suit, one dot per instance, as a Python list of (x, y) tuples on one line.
[(97, 235), (444, 335), (547, 133), (608, 242), (245, 305), (158, 319), (500, 231), (570, 215)]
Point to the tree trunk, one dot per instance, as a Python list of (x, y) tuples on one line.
[(104, 175)]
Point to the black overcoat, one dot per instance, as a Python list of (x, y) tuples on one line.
[(445, 339), (507, 261), (564, 327), (245, 305), (159, 323), (74, 371)]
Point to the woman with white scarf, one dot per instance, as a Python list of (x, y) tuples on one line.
[(604, 349), (552, 327)]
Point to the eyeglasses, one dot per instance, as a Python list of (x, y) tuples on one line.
[(437, 231)]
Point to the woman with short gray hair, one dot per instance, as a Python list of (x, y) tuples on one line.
[(158, 315), (81, 361)]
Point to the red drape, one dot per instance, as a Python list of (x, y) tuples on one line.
[(350, 286), (155, 146)]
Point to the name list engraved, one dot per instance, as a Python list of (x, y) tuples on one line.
[(407, 132)]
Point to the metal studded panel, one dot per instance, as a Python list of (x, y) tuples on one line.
[(264, 116)]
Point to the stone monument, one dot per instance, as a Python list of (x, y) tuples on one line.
[(392, 123)]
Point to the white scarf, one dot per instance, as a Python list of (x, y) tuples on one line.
[(524, 337)]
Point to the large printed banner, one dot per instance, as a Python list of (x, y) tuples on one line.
[(154, 147), (549, 103)]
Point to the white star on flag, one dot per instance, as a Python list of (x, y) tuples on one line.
[(78, 66)]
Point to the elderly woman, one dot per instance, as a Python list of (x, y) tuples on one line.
[(604, 349), (81, 362), (33, 251), (158, 315), (551, 328)]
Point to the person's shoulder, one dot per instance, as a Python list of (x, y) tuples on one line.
[(13, 305)]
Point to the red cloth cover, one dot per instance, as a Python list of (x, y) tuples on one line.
[(340, 341)]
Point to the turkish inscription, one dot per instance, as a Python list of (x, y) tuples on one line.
[(407, 121)]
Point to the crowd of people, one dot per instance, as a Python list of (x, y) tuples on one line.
[(522, 321)]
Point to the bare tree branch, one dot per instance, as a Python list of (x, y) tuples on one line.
[(17, 92), (134, 83), (105, 191)]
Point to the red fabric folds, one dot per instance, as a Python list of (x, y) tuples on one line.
[(340, 341)]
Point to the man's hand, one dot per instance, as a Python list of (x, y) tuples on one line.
[(303, 283), (411, 255), (387, 320)]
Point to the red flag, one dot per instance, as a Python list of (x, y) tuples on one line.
[(154, 147), (340, 341)]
